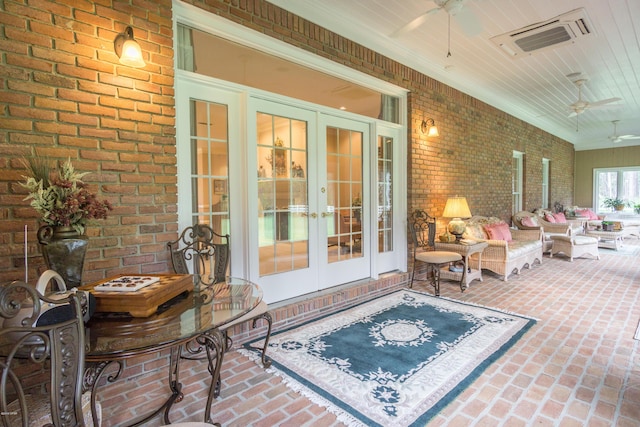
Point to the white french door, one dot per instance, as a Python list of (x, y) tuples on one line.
[(309, 220), (343, 181), (297, 191), (283, 238)]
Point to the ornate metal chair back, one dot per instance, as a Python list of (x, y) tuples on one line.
[(423, 230), (206, 251), (42, 347)]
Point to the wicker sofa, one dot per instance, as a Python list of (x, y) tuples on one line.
[(505, 254)]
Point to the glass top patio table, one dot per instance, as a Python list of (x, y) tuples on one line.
[(113, 336)]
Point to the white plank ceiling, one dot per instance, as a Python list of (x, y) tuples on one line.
[(533, 87)]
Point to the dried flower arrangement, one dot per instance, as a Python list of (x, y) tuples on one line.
[(60, 196)]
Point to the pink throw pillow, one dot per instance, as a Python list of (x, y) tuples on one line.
[(549, 218), (592, 214), (529, 221), (583, 212), (560, 218), (499, 231)]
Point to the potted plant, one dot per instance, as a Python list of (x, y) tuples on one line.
[(607, 225), (636, 208), (65, 205), (615, 203)]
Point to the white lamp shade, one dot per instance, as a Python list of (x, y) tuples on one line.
[(456, 207)]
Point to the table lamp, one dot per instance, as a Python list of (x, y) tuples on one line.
[(456, 208)]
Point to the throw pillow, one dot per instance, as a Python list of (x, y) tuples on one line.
[(582, 213), (592, 214), (529, 221), (587, 213), (549, 218), (499, 231), (560, 218)]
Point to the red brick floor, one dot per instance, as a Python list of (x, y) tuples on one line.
[(578, 366)]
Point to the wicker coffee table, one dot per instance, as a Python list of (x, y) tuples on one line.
[(607, 239)]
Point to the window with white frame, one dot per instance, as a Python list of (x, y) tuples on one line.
[(545, 183), (616, 183), (516, 181)]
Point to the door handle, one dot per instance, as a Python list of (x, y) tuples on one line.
[(326, 214)]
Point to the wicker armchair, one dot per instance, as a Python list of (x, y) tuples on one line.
[(501, 256), (549, 229)]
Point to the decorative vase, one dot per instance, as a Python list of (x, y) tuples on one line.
[(447, 237), (64, 250)]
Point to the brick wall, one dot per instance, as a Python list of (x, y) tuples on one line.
[(63, 94)]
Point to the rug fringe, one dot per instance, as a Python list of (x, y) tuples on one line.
[(341, 415)]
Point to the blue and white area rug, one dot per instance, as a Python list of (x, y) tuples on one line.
[(394, 361)]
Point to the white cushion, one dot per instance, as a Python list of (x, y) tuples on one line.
[(438, 257)]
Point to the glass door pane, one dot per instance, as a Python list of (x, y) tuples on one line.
[(385, 194), (209, 165), (283, 225), (344, 194), (209, 168)]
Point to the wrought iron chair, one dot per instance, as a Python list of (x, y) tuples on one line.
[(423, 232), (209, 253), (42, 348), (206, 250)]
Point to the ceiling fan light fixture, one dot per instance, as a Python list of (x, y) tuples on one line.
[(615, 138), (452, 6)]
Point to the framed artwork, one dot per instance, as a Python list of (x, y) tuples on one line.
[(219, 186)]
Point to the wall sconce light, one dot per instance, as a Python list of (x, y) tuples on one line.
[(128, 50), (429, 127)]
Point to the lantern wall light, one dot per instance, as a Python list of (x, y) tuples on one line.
[(429, 127), (128, 50)]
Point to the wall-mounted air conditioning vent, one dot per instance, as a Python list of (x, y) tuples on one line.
[(566, 28)]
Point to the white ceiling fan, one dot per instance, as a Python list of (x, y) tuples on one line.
[(619, 138), (465, 18), (580, 106)]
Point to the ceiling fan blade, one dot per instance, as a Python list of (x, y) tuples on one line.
[(629, 137), (415, 23), (573, 114), (468, 21), (603, 102)]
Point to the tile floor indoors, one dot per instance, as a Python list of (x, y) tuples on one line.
[(578, 366)]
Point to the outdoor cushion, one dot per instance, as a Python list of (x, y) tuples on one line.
[(529, 221), (475, 231), (588, 213), (560, 218), (522, 247), (498, 231), (438, 257)]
